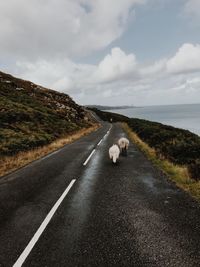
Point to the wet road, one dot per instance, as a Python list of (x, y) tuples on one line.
[(123, 215)]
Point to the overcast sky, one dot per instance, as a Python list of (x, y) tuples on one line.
[(141, 52)]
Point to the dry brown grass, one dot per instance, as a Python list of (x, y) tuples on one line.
[(10, 164), (179, 174)]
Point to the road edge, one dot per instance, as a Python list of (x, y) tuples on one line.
[(175, 173), (11, 164)]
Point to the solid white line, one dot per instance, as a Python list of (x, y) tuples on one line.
[(51, 154), (42, 227), (89, 157)]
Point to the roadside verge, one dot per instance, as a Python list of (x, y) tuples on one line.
[(178, 174), (9, 164)]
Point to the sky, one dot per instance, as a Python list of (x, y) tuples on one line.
[(106, 52)]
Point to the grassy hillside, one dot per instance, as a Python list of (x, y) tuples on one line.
[(32, 116), (176, 145)]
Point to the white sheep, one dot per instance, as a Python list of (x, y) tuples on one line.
[(114, 153), (123, 143)]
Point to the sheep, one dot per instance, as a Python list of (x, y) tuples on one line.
[(123, 145), (114, 153)]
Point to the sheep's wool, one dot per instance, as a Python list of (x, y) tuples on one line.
[(114, 153), (123, 143)]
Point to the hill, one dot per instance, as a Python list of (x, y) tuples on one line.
[(32, 116)]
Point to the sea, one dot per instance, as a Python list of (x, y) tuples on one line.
[(185, 116)]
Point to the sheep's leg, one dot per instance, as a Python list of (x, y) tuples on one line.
[(123, 151)]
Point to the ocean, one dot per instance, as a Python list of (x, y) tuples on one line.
[(180, 116)]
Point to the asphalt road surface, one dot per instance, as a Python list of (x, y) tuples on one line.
[(127, 214)]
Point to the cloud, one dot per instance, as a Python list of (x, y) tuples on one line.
[(63, 75), (45, 72), (116, 66), (187, 59), (192, 8), (66, 75), (119, 78), (154, 69), (34, 29)]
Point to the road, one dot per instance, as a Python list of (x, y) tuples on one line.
[(127, 214)]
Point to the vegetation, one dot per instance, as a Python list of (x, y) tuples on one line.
[(180, 147), (32, 116), (179, 174), (108, 116), (11, 163)]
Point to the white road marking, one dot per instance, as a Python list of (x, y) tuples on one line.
[(85, 163), (49, 216), (51, 154), (42, 227), (99, 142), (105, 135)]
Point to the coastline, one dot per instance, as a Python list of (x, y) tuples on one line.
[(181, 116)]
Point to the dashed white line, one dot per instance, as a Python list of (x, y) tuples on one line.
[(85, 163), (49, 216), (99, 142), (42, 227), (105, 135)]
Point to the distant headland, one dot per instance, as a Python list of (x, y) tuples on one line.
[(109, 107)]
